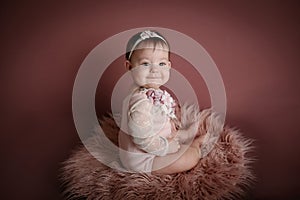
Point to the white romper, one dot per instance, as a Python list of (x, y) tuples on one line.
[(149, 125)]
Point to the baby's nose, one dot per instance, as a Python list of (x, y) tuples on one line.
[(154, 68)]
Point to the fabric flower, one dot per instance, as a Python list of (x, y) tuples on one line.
[(147, 34), (163, 99)]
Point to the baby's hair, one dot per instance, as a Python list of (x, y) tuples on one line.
[(146, 36)]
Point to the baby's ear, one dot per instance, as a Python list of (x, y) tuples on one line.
[(169, 64), (127, 65)]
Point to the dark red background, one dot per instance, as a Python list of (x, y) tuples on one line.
[(255, 45)]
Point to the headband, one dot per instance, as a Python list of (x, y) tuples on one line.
[(145, 35)]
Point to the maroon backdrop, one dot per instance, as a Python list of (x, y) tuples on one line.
[(254, 44)]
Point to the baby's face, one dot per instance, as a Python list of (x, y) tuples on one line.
[(150, 67)]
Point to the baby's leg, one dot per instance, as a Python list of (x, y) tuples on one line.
[(189, 159)]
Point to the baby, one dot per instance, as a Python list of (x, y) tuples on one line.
[(149, 136)]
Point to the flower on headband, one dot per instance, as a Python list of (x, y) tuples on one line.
[(148, 34)]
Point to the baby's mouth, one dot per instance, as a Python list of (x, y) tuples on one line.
[(153, 77)]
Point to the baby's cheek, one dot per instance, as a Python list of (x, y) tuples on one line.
[(165, 77)]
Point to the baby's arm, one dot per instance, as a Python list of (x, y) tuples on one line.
[(140, 128)]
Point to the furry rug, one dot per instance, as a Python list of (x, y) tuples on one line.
[(223, 174)]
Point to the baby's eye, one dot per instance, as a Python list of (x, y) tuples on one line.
[(146, 64), (162, 64)]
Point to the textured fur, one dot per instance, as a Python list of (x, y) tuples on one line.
[(223, 174)]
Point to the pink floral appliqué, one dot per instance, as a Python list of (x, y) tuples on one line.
[(163, 99)]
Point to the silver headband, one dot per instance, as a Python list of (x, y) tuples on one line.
[(145, 35)]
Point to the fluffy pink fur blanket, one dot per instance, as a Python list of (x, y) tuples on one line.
[(223, 174)]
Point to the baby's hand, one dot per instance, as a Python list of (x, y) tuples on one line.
[(174, 146)]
